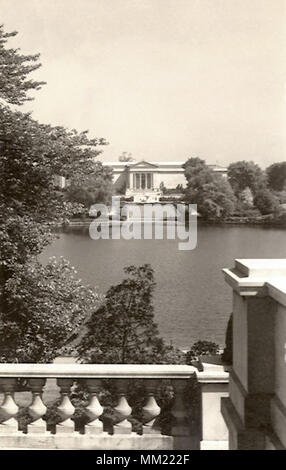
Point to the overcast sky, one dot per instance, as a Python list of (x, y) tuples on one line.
[(162, 79)]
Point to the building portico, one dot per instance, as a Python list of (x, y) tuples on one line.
[(143, 179)]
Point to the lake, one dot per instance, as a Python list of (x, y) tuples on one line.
[(191, 300)]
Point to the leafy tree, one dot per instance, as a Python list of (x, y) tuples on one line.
[(31, 155), (194, 166), (162, 187), (91, 189), (179, 188), (45, 306), (201, 348), (246, 197), (245, 174), (281, 195), (122, 329), (126, 157), (276, 176), (14, 71), (212, 193), (266, 202)]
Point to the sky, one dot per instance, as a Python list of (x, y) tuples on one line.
[(163, 79)]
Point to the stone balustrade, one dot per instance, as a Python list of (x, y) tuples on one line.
[(121, 436)]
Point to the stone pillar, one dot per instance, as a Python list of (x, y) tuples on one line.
[(151, 409), (252, 381), (214, 382), (37, 409), (9, 408), (122, 410), (66, 409), (94, 409)]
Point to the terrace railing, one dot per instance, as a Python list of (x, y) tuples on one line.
[(212, 432)]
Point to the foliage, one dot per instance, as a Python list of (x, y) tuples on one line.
[(14, 70), (201, 348), (44, 307), (36, 301), (162, 187), (31, 155), (281, 195), (96, 187), (212, 193), (246, 197), (122, 330), (244, 174), (266, 202), (126, 157), (276, 176)]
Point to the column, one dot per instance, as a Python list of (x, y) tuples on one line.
[(94, 409), (122, 410), (213, 382), (9, 408), (37, 409), (66, 408), (151, 409)]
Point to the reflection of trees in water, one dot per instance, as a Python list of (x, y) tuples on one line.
[(74, 230)]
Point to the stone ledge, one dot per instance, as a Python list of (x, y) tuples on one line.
[(78, 441), (214, 445), (99, 371), (261, 277)]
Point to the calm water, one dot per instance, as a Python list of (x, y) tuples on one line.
[(191, 300)]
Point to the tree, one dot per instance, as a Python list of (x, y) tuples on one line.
[(276, 176), (162, 188), (126, 157), (31, 155), (201, 348), (14, 71), (45, 306), (212, 193), (122, 329), (245, 174), (266, 202), (91, 189)]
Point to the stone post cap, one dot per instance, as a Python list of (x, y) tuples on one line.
[(260, 277)]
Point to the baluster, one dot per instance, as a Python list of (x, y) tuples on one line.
[(8, 409), (94, 408), (122, 410), (180, 427), (151, 409), (66, 408), (37, 409)]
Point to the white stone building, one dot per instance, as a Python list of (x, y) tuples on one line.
[(142, 179)]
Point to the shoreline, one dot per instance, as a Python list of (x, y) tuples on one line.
[(243, 223)]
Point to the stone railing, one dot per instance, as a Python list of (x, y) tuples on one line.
[(213, 432)]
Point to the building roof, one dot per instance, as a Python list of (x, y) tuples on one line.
[(167, 164)]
